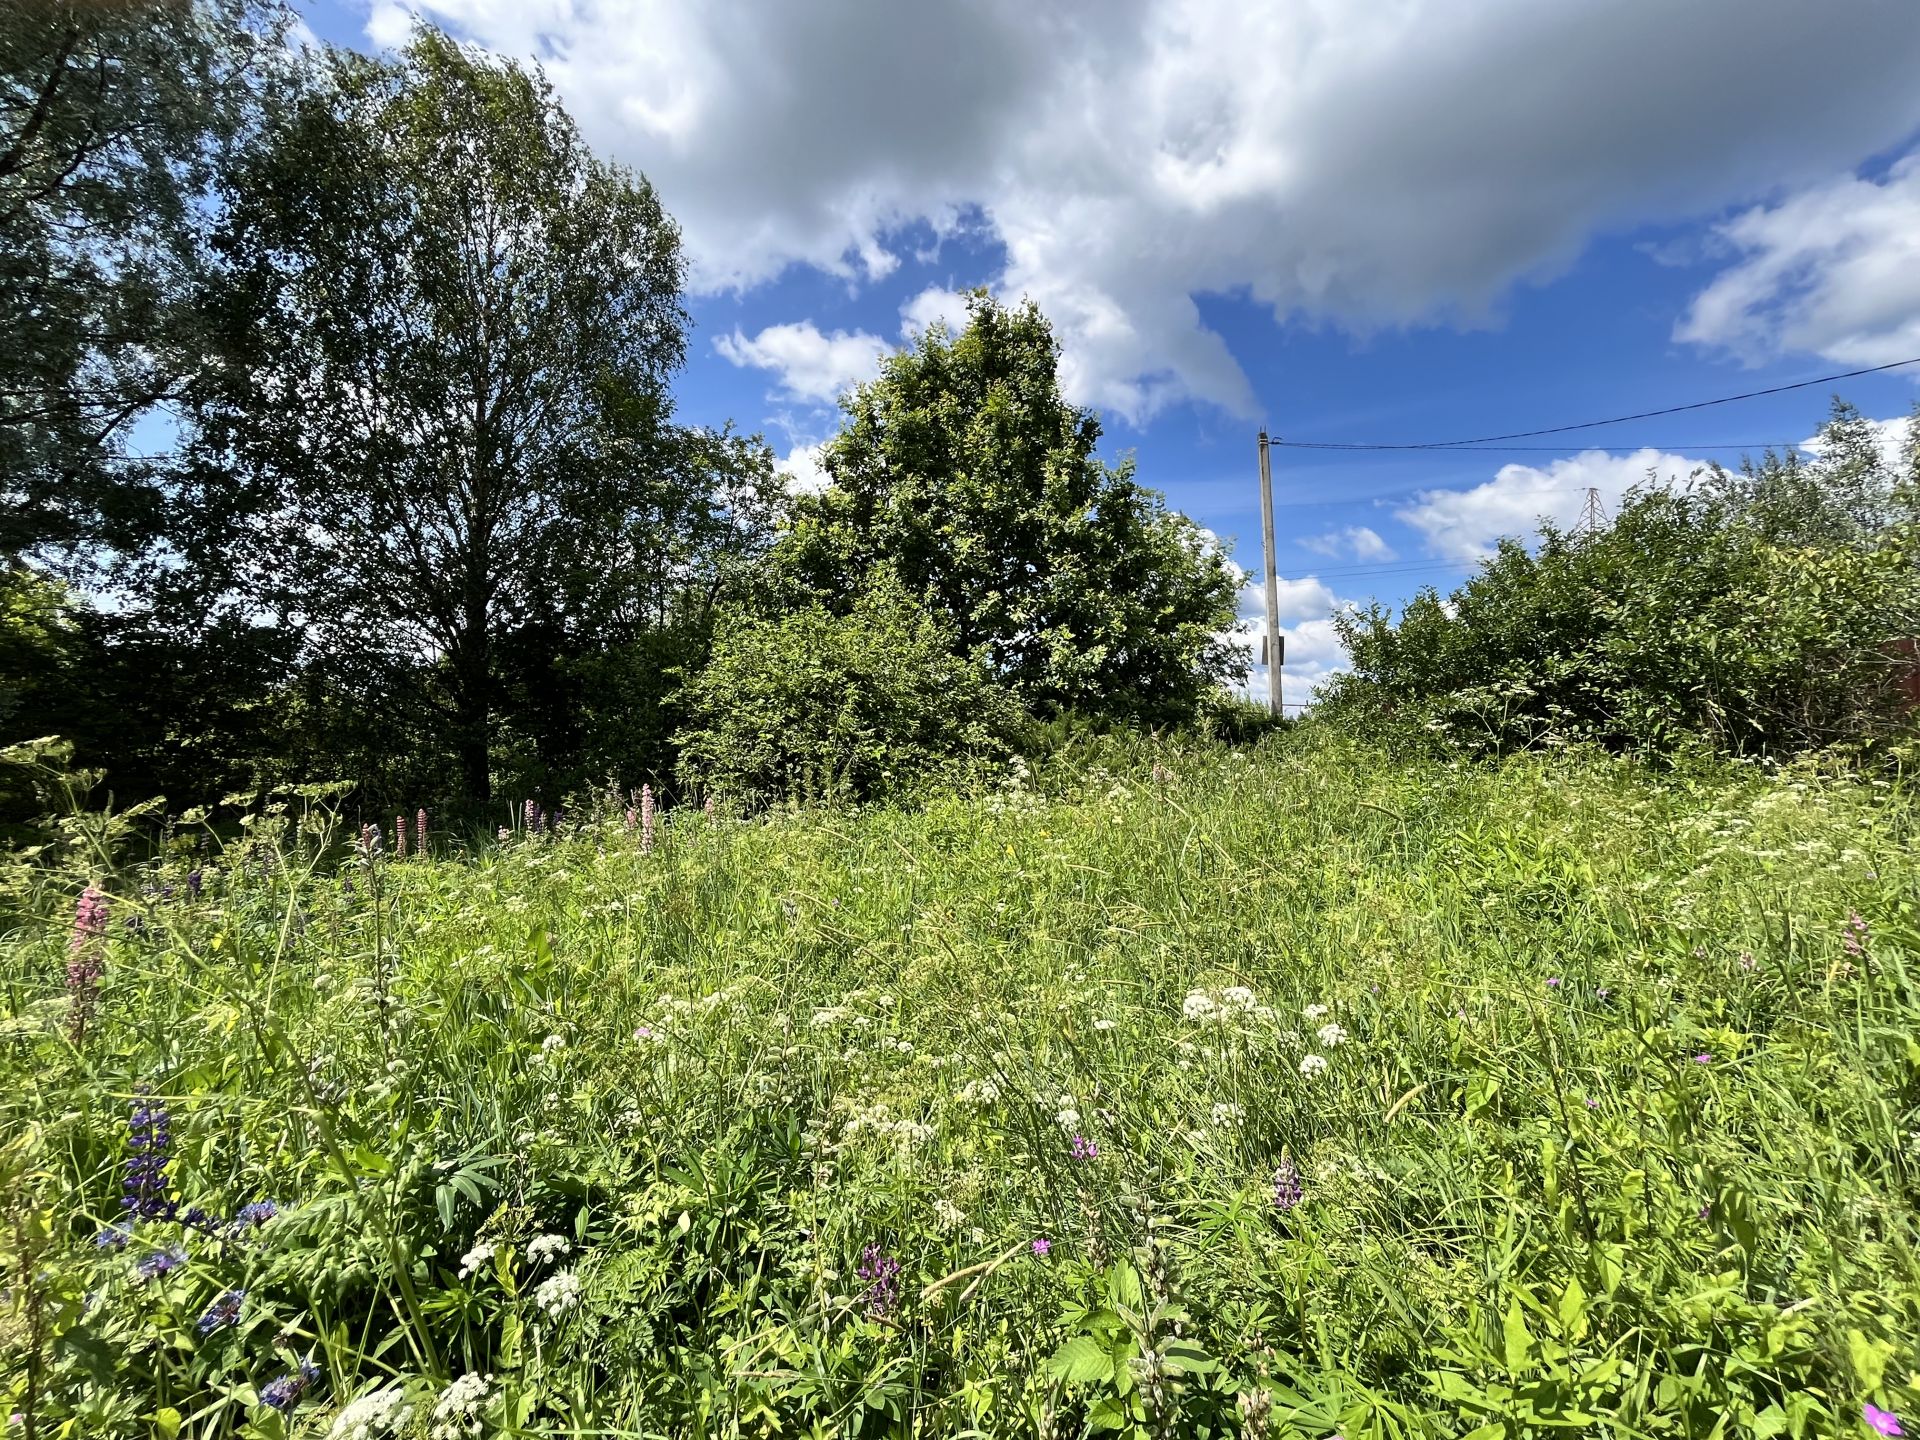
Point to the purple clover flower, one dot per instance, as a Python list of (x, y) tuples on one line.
[(1554, 982), (223, 1312), (882, 1274), (1084, 1149), (1041, 1245), (1705, 1057)]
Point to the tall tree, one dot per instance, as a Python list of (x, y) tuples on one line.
[(964, 472), (112, 120), (450, 419)]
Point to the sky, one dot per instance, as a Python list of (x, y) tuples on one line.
[(1405, 221)]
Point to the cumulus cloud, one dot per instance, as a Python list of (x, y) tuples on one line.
[(1375, 165), (1362, 542), (802, 470), (811, 365), (948, 307), (1463, 525), (1313, 652), (1833, 269)]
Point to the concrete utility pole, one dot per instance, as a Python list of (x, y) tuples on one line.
[(1276, 647)]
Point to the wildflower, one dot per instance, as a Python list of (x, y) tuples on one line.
[(646, 818), (1553, 982), (1331, 1035), (379, 1412), (1084, 1149), (223, 1312), (545, 1247), (1198, 1006), (195, 880), (1237, 997), (1703, 1058), (475, 1258), (552, 1044), (84, 963), (256, 1214), (1104, 1024), (1225, 1112), (1314, 1012), (1603, 994), (558, 1295), (283, 1394), (504, 835), (399, 837), (643, 1032), (1884, 1421), (1069, 1118), (156, 1263), (528, 814), (708, 807), (114, 1236), (1853, 938), (882, 1274), (458, 1410), (1706, 1212), (420, 832), (149, 1137), (1287, 1190), (1592, 1104), (980, 1092), (1312, 1065), (1041, 1245), (1747, 962)]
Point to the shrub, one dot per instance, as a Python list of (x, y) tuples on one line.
[(856, 706)]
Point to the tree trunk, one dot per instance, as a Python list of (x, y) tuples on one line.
[(472, 678)]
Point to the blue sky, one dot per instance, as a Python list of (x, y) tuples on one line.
[(1418, 220)]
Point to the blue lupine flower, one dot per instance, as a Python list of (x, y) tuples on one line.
[(153, 1265), (223, 1312), (149, 1138), (114, 1236), (256, 1214)]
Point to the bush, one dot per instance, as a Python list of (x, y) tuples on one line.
[(1751, 613), (823, 706)]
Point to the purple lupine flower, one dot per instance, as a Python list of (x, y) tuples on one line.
[(197, 1219), (1084, 1149), (255, 1214), (283, 1394), (882, 1274), (420, 832), (527, 814), (1884, 1421), (1287, 1189), (154, 1264), (195, 882), (1041, 1245), (149, 1138), (223, 1312), (114, 1236), (646, 818), (399, 837), (85, 964)]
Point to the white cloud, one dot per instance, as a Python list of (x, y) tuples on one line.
[(1373, 164), (1462, 525), (802, 469), (1833, 269), (1312, 649), (1362, 542), (811, 366), (931, 304)]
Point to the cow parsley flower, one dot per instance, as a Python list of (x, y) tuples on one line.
[(458, 1411), (558, 1295), (1314, 1012), (475, 1258), (1237, 997), (377, 1413), (543, 1248), (1331, 1035), (1198, 1006), (1312, 1065)]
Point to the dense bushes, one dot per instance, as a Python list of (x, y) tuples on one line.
[(850, 706), (1754, 612)]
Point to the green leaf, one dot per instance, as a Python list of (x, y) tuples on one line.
[(1081, 1360)]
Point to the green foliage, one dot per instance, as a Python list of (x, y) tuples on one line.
[(1615, 1134), (858, 706), (963, 471), (1757, 613)]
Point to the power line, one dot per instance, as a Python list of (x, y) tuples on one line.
[(1595, 424), (1675, 446)]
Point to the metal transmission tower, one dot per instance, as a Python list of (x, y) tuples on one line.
[(1593, 516)]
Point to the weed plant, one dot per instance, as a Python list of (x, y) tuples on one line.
[(1194, 1094)]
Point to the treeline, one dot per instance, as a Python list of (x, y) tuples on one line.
[(1762, 612), (338, 441)]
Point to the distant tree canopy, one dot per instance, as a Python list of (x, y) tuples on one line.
[(963, 473), (1761, 611)]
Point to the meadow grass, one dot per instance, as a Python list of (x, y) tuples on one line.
[(1197, 1093)]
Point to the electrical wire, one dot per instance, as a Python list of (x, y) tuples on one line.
[(1494, 440)]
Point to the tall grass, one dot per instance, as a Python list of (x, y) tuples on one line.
[(1616, 1133)]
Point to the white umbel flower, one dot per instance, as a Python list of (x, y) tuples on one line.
[(458, 1412), (382, 1412), (1312, 1065), (1332, 1035), (475, 1258), (557, 1296), (1198, 1006), (543, 1248), (1314, 1012), (1237, 997)]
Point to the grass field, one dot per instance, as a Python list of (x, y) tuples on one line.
[(1284, 1094)]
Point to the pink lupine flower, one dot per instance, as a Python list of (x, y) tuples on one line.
[(420, 831), (646, 817)]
